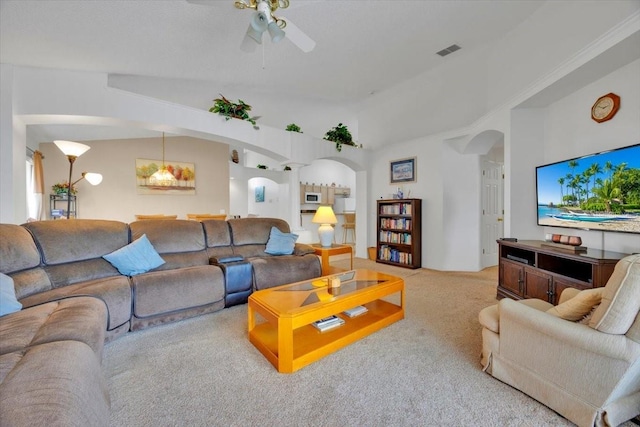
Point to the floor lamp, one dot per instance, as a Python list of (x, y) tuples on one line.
[(72, 150)]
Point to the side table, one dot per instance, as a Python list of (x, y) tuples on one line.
[(326, 252)]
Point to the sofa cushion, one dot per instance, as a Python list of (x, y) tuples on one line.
[(19, 251), (280, 243), (217, 233), (114, 291), (621, 298), (8, 302), (137, 257), (160, 292), (57, 383), (255, 231), (270, 271), (82, 319), (579, 306), (75, 240), (171, 235)]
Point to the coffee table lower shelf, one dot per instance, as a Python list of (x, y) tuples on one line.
[(309, 344)]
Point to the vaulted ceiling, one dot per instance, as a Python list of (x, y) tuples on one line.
[(188, 53)]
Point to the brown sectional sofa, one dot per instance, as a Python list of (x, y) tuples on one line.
[(74, 301)]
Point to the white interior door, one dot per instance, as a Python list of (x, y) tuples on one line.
[(492, 211)]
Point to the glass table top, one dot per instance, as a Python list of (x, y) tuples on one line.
[(288, 298)]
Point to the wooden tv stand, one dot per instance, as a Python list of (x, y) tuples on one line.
[(530, 270)]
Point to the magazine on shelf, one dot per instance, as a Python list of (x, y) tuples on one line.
[(328, 323), (356, 311)]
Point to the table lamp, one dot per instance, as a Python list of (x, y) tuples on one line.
[(325, 217)]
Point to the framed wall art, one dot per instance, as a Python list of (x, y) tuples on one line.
[(260, 194), (184, 172), (403, 170)]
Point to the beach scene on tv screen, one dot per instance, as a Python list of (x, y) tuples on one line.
[(597, 192)]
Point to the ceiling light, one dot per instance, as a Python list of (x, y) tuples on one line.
[(275, 32)]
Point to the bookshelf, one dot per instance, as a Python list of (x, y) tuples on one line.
[(399, 226)]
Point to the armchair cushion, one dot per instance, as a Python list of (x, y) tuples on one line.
[(621, 298), (579, 306)]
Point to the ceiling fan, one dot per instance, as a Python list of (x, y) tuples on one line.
[(264, 19)]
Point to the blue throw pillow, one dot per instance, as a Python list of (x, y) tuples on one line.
[(8, 301), (280, 243), (137, 257)]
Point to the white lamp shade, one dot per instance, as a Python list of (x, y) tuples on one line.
[(70, 148), (93, 178), (324, 215), (275, 32)]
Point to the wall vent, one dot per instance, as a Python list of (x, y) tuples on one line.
[(447, 50)]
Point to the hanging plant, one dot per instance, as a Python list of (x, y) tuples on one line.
[(340, 135), (293, 128), (229, 110)]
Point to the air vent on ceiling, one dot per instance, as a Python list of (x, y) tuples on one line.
[(447, 50)]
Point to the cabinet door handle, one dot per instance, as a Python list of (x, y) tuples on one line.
[(520, 281)]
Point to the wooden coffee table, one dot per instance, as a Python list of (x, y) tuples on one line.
[(280, 318)]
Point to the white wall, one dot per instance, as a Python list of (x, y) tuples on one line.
[(570, 132), (271, 207), (116, 197), (429, 187)]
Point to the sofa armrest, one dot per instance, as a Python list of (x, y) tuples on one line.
[(225, 259), (570, 355), (303, 249)]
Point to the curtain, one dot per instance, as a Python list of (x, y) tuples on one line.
[(38, 183)]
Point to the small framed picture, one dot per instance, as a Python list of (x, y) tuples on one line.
[(403, 170), (259, 194)]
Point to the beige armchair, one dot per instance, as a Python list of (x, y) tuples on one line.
[(588, 370)]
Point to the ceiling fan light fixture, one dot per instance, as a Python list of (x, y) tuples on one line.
[(254, 34), (275, 32), (260, 21)]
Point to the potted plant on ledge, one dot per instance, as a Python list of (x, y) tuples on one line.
[(340, 135), (229, 110)]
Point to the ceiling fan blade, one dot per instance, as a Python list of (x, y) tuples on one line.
[(298, 38)]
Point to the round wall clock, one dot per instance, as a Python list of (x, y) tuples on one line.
[(605, 107)]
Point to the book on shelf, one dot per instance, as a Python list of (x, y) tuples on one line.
[(328, 323), (356, 311)]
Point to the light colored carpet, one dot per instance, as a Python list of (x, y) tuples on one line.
[(421, 371)]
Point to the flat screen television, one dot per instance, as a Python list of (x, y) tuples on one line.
[(596, 192)]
